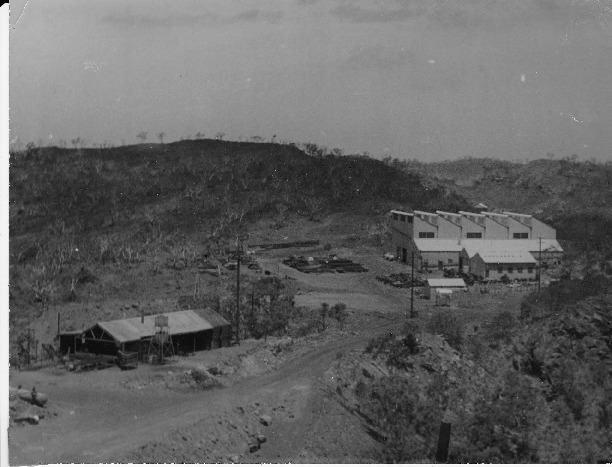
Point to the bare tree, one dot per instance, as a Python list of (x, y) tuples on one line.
[(75, 142), (219, 135), (142, 136), (161, 135), (199, 135)]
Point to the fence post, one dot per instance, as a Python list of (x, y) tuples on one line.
[(444, 438)]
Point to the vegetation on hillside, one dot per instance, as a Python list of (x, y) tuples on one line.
[(547, 187), (530, 388), (175, 205)]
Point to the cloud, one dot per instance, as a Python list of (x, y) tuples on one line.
[(190, 20), (357, 14)]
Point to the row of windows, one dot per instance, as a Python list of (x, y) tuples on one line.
[(401, 218), (519, 269), (426, 235), (474, 234), (521, 235)]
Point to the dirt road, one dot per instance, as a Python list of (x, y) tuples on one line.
[(102, 422), (104, 427)]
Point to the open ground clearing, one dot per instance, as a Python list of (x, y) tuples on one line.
[(151, 414)]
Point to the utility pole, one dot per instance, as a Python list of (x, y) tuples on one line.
[(540, 266), (238, 249), (412, 313)]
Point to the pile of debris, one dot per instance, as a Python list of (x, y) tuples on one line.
[(332, 263), (275, 246), (401, 280), (27, 406)]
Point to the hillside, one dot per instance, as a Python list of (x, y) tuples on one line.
[(547, 187), (86, 223)]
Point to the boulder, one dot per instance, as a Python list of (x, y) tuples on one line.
[(265, 420), (261, 438)]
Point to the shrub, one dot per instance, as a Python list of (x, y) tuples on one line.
[(448, 326), (500, 327)]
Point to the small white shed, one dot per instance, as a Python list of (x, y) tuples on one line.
[(433, 285)]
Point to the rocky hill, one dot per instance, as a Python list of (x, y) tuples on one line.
[(538, 390), (75, 212), (547, 187)]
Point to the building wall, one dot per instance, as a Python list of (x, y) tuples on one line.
[(515, 226), (430, 292), (403, 245), (432, 259), (420, 226), (402, 223), (448, 229), (479, 268), (541, 230), (494, 230), (470, 226)]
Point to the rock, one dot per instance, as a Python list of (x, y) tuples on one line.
[(261, 438), (27, 417), (36, 398), (253, 447), (265, 420), (234, 458)]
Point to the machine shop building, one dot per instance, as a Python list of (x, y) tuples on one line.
[(188, 330)]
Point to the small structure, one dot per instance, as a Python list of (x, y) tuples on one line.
[(433, 285), (221, 329), (443, 297), (514, 265), (160, 345)]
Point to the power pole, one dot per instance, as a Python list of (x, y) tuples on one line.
[(238, 249), (412, 313), (540, 266)]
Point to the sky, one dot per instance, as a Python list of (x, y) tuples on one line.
[(414, 79)]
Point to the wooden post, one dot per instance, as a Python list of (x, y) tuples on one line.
[(58, 325), (540, 266), (238, 295), (443, 441), (412, 312)]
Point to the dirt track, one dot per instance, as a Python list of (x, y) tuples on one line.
[(100, 422), (105, 426)]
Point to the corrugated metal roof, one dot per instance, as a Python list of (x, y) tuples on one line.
[(214, 319), (395, 211), (507, 257), (473, 246), (445, 282), (438, 244), (132, 329)]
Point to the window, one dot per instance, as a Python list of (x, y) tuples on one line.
[(409, 219), (450, 261), (530, 269), (520, 235), (519, 269), (510, 269), (474, 235), (500, 269), (395, 217), (426, 235), (487, 272)]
